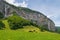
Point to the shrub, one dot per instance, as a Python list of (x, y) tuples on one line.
[(2, 26), (1, 15), (15, 26), (17, 22), (44, 27)]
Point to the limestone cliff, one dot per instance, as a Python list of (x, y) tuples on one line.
[(34, 16)]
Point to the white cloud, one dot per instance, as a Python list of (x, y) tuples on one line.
[(10, 1), (23, 4)]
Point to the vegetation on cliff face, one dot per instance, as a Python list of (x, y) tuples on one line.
[(26, 9)]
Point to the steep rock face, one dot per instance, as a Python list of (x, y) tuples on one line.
[(34, 16)]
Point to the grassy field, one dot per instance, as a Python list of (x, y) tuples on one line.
[(24, 34)]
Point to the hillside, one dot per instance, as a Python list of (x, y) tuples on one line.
[(23, 35), (26, 33), (19, 23)]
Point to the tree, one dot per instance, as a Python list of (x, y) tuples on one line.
[(2, 26), (1, 15)]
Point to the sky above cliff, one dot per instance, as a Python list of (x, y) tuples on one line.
[(51, 8)]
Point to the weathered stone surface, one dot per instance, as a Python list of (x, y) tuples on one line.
[(36, 17)]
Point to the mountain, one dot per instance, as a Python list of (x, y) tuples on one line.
[(34, 16), (19, 23)]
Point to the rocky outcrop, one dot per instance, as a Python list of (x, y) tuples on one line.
[(34, 16)]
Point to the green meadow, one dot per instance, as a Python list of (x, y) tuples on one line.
[(24, 34)]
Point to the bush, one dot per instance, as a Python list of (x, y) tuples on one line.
[(14, 22), (17, 22), (44, 27), (1, 15), (15, 26), (2, 26)]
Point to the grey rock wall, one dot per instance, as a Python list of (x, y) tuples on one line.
[(35, 17)]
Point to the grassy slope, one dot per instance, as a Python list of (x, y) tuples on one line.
[(20, 34), (6, 24)]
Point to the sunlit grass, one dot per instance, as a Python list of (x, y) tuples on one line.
[(24, 34)]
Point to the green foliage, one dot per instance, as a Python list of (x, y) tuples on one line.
[(44, 27), (27, 10), (1, 15), (17, 22), (58, 29), (14, 13), (2, 25)]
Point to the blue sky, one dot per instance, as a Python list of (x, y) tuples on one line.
[(51, 8)]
